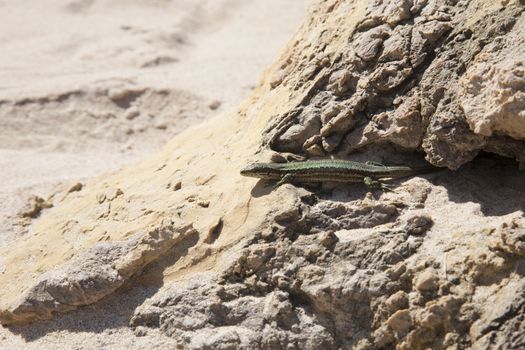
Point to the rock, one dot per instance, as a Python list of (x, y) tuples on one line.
[(34, 207), (494, 88), (512, 238), (328, 239), (101, 197), (299, 266), (131, 113), (427, 281), (400, 322), (502, 324), (215, 104), (418, 225), (397, 301), (75, 188), (455, 106), (91, 275)]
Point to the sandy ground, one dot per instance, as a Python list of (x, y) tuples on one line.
[(207, 54), (87, 86)]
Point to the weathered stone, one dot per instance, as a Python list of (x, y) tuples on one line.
[(427, 266), (93, 274), (424, 50), (427, 281)]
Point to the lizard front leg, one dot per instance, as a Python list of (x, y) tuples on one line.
[(284, 180)]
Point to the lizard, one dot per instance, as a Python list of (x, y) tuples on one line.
[(371, 174)]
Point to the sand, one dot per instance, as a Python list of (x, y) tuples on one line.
[(208, 54), (168, 64)]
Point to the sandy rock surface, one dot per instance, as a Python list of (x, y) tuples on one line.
[(178, 250), (87, 87)]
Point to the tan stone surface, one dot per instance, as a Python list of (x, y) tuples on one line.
[(204, 258)]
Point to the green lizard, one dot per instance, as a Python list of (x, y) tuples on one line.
[(332, 170)]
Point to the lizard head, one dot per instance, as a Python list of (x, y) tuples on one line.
[(262, 171)]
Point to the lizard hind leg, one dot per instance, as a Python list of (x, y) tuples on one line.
[(376, 184), (371, 182)]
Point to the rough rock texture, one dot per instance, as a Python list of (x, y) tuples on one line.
[(438, 263), (416, 75), (91, 275), (299, 285), (294, 286), (494, 87)]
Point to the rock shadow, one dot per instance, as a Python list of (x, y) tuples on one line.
[(262, 188), (498, 186), (493, 182)]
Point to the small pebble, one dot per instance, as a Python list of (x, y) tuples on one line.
[(214, 105), (328, 239), (75, 188), (101, 197), (427, 281), (131, 113)]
